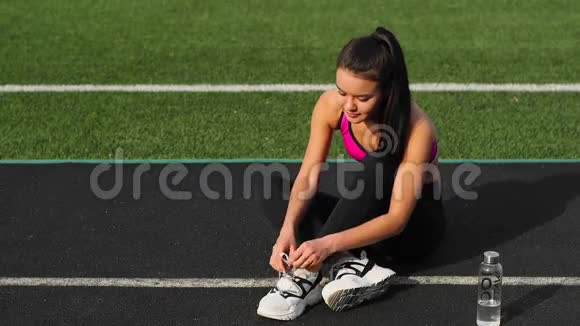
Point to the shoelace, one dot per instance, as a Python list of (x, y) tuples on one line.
[(349, 263), (285, 259), (295, 279), (288, 276)]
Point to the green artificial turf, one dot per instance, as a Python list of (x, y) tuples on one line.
[(269, 125), (181, 41)]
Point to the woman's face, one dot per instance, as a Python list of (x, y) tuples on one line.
[(357, 96)]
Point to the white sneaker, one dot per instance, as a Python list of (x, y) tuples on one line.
[(293, 292), (354, 281)]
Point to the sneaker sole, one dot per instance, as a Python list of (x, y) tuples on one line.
[(311, 299), (342, 300)]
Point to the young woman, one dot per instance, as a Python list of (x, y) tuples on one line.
[(396, 214)]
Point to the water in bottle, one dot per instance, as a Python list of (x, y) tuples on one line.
[(489, 290)]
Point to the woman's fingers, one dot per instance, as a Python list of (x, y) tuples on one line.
[(300, 260), (276, 260), (304, 248), (278, 265), (292, 249), (304, 260), (309, 262)]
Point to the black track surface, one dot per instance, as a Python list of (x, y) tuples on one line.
[(403, 305), (53, 225)]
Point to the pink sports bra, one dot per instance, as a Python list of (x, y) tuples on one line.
[(355, 149)]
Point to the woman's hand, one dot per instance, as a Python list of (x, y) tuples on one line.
[(310, 253), (286, 243)]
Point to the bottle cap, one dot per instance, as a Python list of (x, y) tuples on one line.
[(491, 257)]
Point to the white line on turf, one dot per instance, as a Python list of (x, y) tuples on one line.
[(206, 88), (262, 282)]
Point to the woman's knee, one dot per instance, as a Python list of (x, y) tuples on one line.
[(420, 238)]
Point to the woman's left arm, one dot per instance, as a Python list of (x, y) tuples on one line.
[(407, 188)]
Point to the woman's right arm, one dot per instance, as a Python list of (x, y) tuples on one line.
[(307, 180)]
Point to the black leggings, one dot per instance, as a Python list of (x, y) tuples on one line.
[(329, 214)]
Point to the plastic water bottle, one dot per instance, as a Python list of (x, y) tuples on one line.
[(489, 290)]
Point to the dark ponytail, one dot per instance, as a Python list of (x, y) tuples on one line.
[(379, 57)]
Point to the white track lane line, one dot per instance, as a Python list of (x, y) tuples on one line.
[(226, 88), (262, 282)]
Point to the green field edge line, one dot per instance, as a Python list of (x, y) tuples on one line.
[(267, 160)]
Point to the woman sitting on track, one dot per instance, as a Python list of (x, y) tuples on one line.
[(395, 214)]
